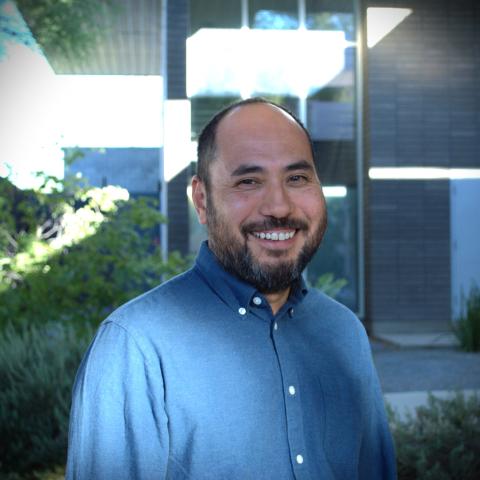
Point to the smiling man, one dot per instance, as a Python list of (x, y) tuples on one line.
[(235, 369), (259, 194)]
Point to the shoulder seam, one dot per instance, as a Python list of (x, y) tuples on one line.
[(132, 336)]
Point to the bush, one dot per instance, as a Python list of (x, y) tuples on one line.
[(440, 442), (330, 285), (91, 251), (467, 327), (37, 368)]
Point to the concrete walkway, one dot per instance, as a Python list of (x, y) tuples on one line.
[(407, 373)]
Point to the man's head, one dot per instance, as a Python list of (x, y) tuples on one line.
[(258, 193), (206, 149)]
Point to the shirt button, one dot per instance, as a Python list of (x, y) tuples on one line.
[(290, 312), (291, 390), (275, 326), (299, 459), (257, 300), (242, 311)]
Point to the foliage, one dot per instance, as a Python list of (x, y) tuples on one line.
[(37, 367), (330, 285), (440, 442), (76, 253), (467, 327), (69, 255), (67, 29)]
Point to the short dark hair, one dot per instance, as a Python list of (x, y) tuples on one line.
[(207, 140)]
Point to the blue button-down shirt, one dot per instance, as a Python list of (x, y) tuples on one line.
[(197, 379)]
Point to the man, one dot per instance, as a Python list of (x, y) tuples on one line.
[(234, 369)]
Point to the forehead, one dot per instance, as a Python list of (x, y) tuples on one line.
[(260, 131)]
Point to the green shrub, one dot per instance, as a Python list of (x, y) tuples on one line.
[(440, 442), (93, 250), (467, 327), (37, 368), (330, 285)]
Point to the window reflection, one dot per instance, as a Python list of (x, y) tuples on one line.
[(214, 14), (300, 54), (273, 14)]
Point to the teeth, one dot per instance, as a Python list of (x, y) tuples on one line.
[(276, 236)]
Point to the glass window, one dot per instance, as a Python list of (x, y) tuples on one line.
[(215, 14), (331, 121), (331, 15), (311, 72), (336, 260), (273, 14), (204, 108)]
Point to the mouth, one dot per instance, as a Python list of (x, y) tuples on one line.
[(276, 236)]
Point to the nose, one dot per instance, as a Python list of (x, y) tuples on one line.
[(276, 201)]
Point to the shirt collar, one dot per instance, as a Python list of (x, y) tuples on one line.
[(236, 293)]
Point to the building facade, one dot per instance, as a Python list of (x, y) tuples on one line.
[(396, 130), (423, 114), (388, 90), (299, 53)]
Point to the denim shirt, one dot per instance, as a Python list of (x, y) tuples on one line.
[(197, 379)]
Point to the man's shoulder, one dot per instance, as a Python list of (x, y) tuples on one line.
[(332, 316), (338, 330), (319, 302), (165, 300)]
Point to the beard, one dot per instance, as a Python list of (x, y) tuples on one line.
[(237, 258)]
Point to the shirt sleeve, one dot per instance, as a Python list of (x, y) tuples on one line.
[(118, 425)]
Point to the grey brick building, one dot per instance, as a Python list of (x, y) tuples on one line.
[(395, 125)]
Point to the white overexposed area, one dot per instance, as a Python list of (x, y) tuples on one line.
[(42, 112)]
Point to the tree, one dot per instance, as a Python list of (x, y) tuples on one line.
[(67, 29), (72, 253)]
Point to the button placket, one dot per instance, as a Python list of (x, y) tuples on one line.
[(294, 413)]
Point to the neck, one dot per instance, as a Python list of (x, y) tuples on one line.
[(277, 299)]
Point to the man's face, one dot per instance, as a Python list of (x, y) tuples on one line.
[(264, 210)]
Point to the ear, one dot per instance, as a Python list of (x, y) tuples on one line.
[(199, 197)]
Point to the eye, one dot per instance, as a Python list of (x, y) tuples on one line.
[(298, 179), (248, 183)]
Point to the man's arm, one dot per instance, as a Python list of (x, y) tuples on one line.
[(118, 426), (377, 455)]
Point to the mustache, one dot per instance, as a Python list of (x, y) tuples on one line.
[(269, 223)]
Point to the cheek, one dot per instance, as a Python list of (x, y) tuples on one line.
[(312, 205), (240, 206)]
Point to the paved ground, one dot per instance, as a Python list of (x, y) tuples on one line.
[(408, 374), (404, 369)]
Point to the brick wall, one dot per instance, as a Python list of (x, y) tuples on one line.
[(178, 27), (424, 104)]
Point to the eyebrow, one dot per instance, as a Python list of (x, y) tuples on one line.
[(301, 165), (248, 169)]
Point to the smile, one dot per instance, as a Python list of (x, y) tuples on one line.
[(276, 236)]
